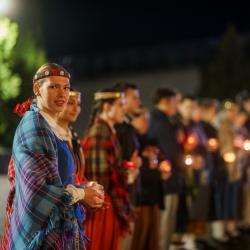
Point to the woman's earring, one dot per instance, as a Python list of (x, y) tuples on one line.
[(36, 89), (37, 92)]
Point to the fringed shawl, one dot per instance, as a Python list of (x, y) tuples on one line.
[(39, 210)]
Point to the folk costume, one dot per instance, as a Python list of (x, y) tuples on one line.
[(41, 212), (104, 164), (70, 137)]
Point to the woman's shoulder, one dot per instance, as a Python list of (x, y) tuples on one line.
[(100, 128), (33, 120), (34, 130)]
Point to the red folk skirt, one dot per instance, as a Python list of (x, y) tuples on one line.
[(103, 229)]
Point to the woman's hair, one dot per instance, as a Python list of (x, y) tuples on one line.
[(99, 103)]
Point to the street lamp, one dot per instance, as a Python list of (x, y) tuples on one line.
[(4, 6), (4, 9)]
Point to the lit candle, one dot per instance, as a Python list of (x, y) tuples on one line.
[(246, 145), (165, 166), (229, 157), (188, 160), (213, 143)]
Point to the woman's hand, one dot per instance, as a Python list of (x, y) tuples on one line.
[(94, 196)]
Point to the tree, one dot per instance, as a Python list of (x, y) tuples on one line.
[(21, 54), (29, 56), (9, 81), (226, 73)]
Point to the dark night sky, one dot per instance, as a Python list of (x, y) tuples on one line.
[(85, 27)]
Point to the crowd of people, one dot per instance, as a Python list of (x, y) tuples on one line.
[(138, 179)]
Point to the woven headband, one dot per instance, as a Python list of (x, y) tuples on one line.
[(51, 71), (107, 95)]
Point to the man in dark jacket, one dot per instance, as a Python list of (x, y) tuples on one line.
[(129, 142), (125, 131), (163, 131)]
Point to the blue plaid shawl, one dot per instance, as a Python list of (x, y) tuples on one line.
[(42, 215)]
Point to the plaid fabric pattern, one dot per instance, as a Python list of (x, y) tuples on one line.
[(38, 211), (103, 164)]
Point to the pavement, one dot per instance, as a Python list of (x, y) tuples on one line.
[(4, 189)]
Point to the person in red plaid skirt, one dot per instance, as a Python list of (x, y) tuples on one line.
[(103, 164)]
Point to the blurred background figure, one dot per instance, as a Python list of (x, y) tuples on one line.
[(130, 145), (217, 178), (163, 131), (228, 150), (149, 198)]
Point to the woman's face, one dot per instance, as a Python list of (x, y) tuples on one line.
[(52, 94), (116, 110), (72, 111)]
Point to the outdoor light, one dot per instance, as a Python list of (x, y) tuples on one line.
[(213, 143), (4, 6), (229, 157), (246, 145), (188, 160), (228, 105)]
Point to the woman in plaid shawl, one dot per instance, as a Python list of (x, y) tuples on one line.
[(44, 208), (103, 164)]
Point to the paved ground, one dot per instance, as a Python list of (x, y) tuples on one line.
[(240, 243), (4, 189)]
